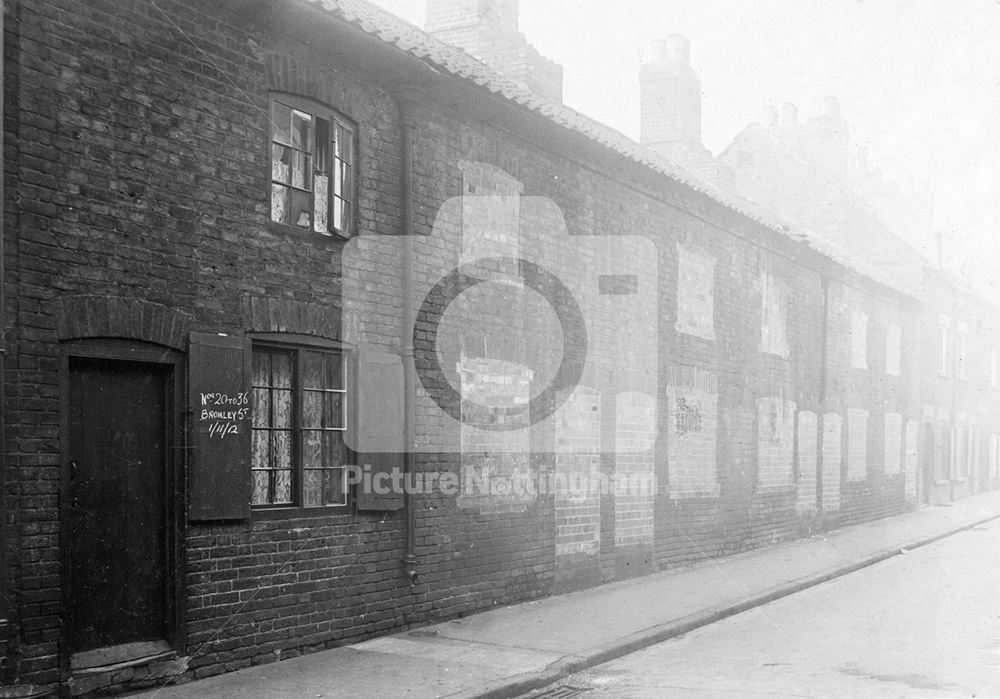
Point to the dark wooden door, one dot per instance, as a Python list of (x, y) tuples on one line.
[(118, 418)]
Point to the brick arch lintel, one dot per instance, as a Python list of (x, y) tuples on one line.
[(92, 316), (281, 315), (286, 74)]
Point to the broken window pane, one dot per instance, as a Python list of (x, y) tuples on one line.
[(300, 208), (281, 163), (321, 204), (280, 203)]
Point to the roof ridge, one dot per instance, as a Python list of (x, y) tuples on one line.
[(407, 37)]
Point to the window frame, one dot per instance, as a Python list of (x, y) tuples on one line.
[(776, 292), (335, 118), (894, 349), (994, 367), (859, 339), (962, 352), (297, 345), (944, 342)]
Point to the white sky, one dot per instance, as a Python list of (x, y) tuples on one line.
[(918, 80)]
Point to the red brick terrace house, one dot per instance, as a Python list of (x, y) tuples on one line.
[(185, 382)]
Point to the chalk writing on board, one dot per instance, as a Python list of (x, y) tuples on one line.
[(223, 412)]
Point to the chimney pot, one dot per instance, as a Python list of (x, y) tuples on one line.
[(678, 49), (770, 119), (832, 107), (672, 49)]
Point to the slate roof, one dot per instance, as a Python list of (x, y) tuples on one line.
[(447, 58)]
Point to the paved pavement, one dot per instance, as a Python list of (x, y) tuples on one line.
[(509, 651), (920, 625)]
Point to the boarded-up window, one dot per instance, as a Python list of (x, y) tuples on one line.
[(380, 429), (857, 444), (775, 298), (893, 443), (695, 292)]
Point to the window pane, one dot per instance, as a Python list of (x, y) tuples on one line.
[(282, 486), (301, 130), (321, 203), (260, 455), (325, 487), (301, 173), (322, 145), (282, 410), (345, 216), (348, 177), (261, 407), (281, 119), (312, 488), (338, 213), (300, 208), (281, 370), (261, 479), (281, 163), (334, 410), (261, 370), (344, 143), (322, 370), (312, 449), (312, 409), (280, 203)]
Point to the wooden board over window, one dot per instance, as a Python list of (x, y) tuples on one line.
[(218, 484)]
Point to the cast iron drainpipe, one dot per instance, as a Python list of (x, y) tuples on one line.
[(404, 102), (4, 599)]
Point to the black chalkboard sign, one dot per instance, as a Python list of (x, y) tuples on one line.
[(219, 427)]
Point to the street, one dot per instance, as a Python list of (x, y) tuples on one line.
[(923, 624)]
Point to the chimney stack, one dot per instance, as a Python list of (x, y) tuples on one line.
[(670, 94), (488, 30)]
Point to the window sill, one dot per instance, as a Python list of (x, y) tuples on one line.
[(304, 234), (262, 513)]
